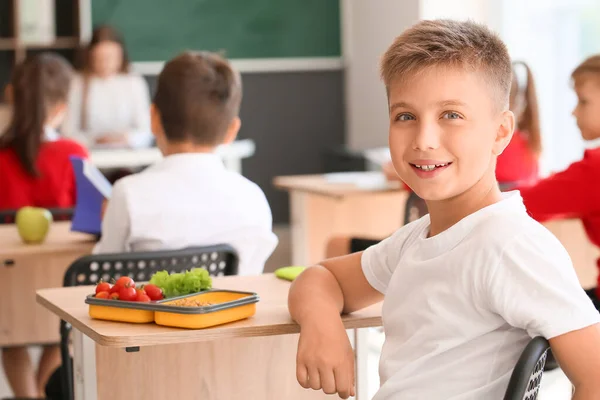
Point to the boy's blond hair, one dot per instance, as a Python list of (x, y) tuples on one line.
[(590, 68), (448, 43)]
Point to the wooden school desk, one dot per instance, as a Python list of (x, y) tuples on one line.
[(249, 359), (232, 155), (321, 208), (27, 268)]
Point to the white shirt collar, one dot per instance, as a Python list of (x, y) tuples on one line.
[(191, 159)]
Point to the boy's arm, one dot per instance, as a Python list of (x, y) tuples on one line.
[(339, 282), (316, 299), (578, 354), (564, 194)]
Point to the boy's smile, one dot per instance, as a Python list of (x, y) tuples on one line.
[(428, 168)]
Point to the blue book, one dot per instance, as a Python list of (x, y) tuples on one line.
[(92, 189)]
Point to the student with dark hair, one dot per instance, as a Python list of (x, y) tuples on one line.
[(189, 198), (35, 170)]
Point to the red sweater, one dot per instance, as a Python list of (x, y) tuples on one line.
[(572, 193), (517, 164), (55, 187)]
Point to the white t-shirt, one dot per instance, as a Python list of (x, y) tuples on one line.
[(189, 200), (460, 306), (117, 104)]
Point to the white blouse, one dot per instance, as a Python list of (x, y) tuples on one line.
[(117, 104)]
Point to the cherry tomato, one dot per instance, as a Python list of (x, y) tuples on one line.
[(114, 296), (102, 295), (102, 287), (154, 292), (125, 281), (142, 298), (127, 294)]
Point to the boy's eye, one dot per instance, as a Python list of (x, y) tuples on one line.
[(404, 117), (452, 115)]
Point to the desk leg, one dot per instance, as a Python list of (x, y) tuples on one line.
[(361, 351), (84, 367), (299, 214)]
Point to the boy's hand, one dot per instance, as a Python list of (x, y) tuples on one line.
[(325, 357)]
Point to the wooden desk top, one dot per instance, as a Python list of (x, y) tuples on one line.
[(59, 239), (338, 184), (272, 317)]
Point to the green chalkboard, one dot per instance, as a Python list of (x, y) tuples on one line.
[(156, 30)]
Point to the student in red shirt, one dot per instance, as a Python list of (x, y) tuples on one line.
[(35, 170), (575, 192), (518, 164)]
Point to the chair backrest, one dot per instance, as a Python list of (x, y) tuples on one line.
[(526, 378), (415, 208), (58, 214), (218, 260)]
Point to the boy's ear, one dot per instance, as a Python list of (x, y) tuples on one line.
[(504, 132), (156, 124), (232, 130), (8, 94)]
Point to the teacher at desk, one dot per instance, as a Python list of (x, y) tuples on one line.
[(108, 105)]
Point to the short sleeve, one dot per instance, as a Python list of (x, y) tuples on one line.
[(534, 287), (379, 261), (116, 223)]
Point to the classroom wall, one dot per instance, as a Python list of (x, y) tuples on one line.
[(368, 28)]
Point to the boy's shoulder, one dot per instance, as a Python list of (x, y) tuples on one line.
[(504, 233), (156, 175)]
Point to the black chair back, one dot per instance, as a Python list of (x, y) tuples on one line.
[(526, 378)]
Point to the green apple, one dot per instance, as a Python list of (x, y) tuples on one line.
[(33, 224)]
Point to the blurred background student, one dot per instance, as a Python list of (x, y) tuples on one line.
[(35, 170), (108, 105), (518, 164)]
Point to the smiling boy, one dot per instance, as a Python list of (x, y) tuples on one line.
[(467, 286)]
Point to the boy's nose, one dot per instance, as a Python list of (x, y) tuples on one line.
[(427, 137)]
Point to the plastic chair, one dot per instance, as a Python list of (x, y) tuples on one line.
[(58, 214), (218, 260), (526, 378)]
